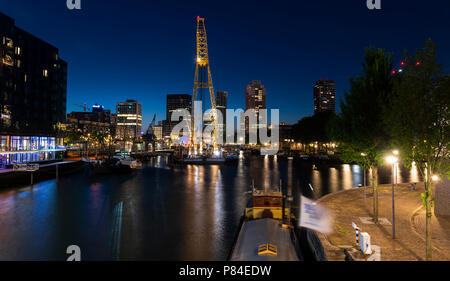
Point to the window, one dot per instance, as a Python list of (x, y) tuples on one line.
[(8, 59), (8, 42), (19, 63), (45, 73), (18, 51)]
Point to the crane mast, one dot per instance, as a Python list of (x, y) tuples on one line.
[(203, 80)]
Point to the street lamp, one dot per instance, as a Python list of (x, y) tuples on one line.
[(364, 178), (393, 160)]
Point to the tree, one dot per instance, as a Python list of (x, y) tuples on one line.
[(420, 121), (73, 136), (314, 128), (359, 129)]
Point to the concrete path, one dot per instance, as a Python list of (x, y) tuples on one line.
[(348, 206)]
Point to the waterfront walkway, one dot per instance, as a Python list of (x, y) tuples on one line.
[(348, 206), (42, 166)]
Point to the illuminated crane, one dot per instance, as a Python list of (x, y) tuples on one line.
[(84, 106), (203, 77)]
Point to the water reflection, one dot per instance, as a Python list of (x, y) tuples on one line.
[(169, 212)]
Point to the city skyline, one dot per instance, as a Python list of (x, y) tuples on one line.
[(156, 67), (128, 135)]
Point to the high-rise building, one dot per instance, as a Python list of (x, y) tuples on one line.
[(175, 102), (158, 132), (221, 105), (255, 98), (324, 96), (33, 89), (129, 119)]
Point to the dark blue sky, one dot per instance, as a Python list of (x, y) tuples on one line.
[(144, 49)]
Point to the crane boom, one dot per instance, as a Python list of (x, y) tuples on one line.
[(203, 69)]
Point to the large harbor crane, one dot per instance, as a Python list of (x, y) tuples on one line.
[(202, 80)]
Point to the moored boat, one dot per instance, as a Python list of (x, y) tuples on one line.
[(269, 232)]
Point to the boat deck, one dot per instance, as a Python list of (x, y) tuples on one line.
[(262, 231)]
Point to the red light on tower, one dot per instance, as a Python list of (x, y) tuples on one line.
[(418, 63), (393, 72), (402, 63), (198, 17)]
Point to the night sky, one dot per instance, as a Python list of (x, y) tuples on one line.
[(144, 49)]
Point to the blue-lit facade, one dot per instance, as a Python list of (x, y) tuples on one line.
[(33, 92), (19, 149)]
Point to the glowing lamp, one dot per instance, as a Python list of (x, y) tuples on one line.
[(391, 159)]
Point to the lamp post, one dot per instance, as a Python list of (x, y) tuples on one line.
[(396, 153), (393, 160), (364, 178)]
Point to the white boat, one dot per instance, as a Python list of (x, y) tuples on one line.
[(128, 161)]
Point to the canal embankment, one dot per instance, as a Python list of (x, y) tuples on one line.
[(349, 206), (10, 178)]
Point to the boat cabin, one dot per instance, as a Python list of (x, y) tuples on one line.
[(267, 204)]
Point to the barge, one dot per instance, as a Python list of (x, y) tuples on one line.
[(269, 232)]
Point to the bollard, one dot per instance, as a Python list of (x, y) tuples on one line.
[(366, 246), (357, 231), (31, 178)]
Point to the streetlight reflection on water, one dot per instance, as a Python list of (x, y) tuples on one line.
[(170, 212)]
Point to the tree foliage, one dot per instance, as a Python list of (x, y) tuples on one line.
[(360, 127), (420, 121), (314, 128), (419, 118)]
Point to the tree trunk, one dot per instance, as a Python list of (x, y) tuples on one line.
[(429, 214), (374, 182)]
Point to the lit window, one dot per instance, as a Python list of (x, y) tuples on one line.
[(19, 63), (18, 51), (25, 79), (45, 72), (8, 42)]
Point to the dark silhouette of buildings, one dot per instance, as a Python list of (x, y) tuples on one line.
[(221, 105), (174, 102), (33, 90)]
